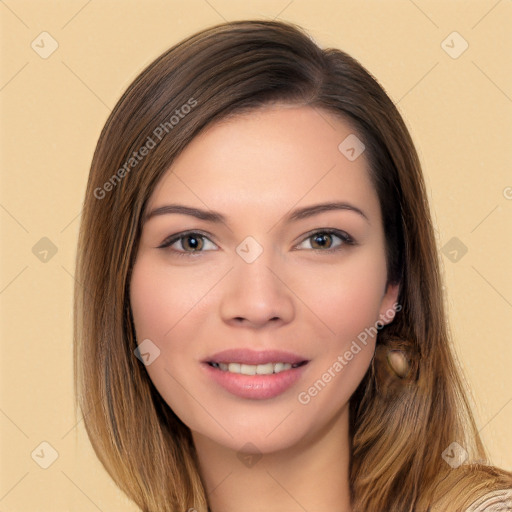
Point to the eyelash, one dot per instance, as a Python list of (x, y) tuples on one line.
[(345, 238)]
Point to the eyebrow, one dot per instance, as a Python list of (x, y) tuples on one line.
[(216, 217)]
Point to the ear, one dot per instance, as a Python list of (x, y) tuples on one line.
[(389, 304)]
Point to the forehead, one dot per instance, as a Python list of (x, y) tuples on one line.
[(266, 162)]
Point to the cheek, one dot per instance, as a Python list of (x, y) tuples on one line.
[(162, 300), (347, 299)]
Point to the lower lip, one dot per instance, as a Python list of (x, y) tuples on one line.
[(257, 387)]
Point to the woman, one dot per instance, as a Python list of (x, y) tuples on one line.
[(260, 321)]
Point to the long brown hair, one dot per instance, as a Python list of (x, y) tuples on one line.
[(401, 425)]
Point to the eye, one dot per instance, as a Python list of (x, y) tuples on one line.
[(323, 240), (191, 242)]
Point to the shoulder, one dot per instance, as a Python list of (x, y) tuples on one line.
[(473, 487), (494, 501)]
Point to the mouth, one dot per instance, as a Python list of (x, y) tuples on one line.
[(255, 375)]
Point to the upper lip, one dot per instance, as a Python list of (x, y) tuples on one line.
[(246, 356)]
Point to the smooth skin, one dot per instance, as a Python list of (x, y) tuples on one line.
[(305, 293)]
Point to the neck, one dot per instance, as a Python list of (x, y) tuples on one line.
[(311, 476)]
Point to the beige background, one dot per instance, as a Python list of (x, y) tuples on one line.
[(459, 111)]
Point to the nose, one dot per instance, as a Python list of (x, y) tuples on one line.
[(256, 294)]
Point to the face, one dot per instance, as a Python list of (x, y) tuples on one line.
[(269, 278)]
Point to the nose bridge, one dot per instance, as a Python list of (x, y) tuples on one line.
[(256, 291), (255, 264)]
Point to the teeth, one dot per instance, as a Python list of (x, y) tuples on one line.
[(265, 369), (253, 369), (278, 367)]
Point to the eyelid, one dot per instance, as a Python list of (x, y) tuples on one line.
[(346, 238), (170, 240)]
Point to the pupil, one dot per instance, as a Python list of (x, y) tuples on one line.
[(194, 244), (322, 239)]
